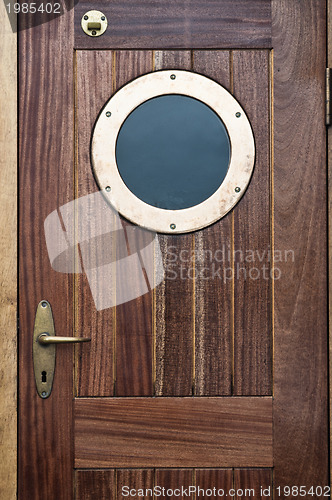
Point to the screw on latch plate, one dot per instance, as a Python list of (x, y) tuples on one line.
[(94, 23)]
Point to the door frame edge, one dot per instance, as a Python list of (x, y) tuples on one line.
[(329, 174), (8, 254)]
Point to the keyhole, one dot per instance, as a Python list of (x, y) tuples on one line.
[(44, 376)]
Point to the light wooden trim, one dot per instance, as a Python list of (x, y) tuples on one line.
[(8, 258)]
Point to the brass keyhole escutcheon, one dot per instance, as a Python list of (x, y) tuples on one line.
[(94, 23)]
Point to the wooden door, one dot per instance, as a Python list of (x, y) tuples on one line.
[(218, 383)]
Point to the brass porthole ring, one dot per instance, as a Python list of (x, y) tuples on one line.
[(164, 83)]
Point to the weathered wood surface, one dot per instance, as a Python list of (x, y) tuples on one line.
[(46, 156), (134, 337), (299, 202), (214, 329), (179, 24), (134, 478), (95, 371), (257, 481), (298, 219), (111, 484), (8, 262), (214, 478), (252, 237), (329, 159), (95, 484), (154, 345), (175, 479), (174, 301)]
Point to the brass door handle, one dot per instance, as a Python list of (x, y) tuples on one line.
[(46, 339), (44, 348)]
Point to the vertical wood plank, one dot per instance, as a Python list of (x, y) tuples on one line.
[(95, 375), (252, 290), (213, 296), (134, 343), (134, 479), (300, 320), (221, 479), (174, 321), (95, 484), (174, 479), (254, 482), (329, 152), (46, 182), (8, 264)]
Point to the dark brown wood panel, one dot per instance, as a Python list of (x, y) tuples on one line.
[(95, 368), (208, 479), (174, 321), (134, 342), (172, 479), (173, 432), (179, 24), (46, 182), (95, 485), (131, 63), (252, 237), (213, 295), (329, 215), (300, 325), (137, 479), (253, 483)]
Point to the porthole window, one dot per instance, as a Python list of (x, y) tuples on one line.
[(173, 151)]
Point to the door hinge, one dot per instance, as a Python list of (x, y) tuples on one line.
[(328, 97)]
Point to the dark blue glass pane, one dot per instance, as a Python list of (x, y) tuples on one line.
[(173, 152)]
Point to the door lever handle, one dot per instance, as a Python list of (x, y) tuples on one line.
[(44, 348), (46, 339)]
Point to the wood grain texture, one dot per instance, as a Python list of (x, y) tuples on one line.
[(124, 336), (213, 297), (300, 320), (257, 481), (46, 182), (252, 237), (329, 160), (95, 370), (221, 479), (200, 432), (8, 263), (134, 343), (134, 479), (174, 322), (178, 24), (95, 484), (174, 479)]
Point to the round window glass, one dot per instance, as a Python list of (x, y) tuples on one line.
[(173, 152)]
